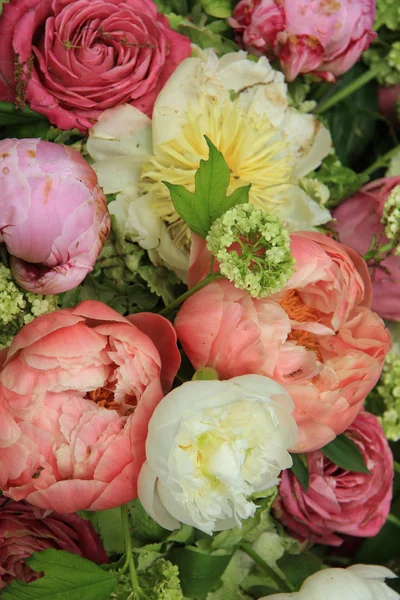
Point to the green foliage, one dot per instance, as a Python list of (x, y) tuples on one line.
[(387, 14), (344, 453), (199, 570), (385, 60), (66, 577), (200, 209), (342, 181), (352, 122), (161, 581), (300, 469), (124, 278), (221, 9), (203, 33), (297, 567)]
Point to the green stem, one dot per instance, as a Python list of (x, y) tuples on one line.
[(192, 291), (283, 585), (8, 108), (347, 90), (392, 519), (382, 161), (396, 466), (129, 562)]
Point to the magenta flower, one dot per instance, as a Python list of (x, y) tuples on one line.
[(25, 529), (323, 37), (339, 501), (53, 214)]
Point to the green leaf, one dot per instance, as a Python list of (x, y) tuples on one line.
[(344, 453), (66, 577), (300, 469), (108, 524), (143, 527), (297, 567), (221, 9), (342, 181), (199, 572), (209, 201)]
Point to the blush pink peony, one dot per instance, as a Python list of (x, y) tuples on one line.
[(358, 219), (318, 337), (53, 214), (77, 390), (323, 37), (339, 501), (25, 529), (72, 59)]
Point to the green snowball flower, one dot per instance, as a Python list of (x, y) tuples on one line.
[(253, 249)]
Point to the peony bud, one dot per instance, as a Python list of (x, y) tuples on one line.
[(53, 219), (325, 37)]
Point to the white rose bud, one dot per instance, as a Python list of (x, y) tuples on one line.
[(358, 582), (211, 445)]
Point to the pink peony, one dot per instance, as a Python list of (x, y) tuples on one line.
[(358, 219), (318, 338), (72, 59), (323, 37), (25, 529), (77, 390), (53, 214), (339, 501)]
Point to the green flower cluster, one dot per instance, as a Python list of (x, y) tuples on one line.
[(18, 307), (387, 64), (391, 218), (388, 392), (253, 249), (387, 14)]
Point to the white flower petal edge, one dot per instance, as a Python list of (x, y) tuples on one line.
[(358, 582), (210, 445)]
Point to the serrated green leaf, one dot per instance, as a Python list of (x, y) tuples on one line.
[(221, 9), (209, 201), (108, 524), (300, 469), (143, 526), (344, 453), (199, 572), (66, 577)]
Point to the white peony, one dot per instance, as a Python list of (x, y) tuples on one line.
[(358, 582), (242, 106), (210, 446)]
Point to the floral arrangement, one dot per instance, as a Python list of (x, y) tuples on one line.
[(199, 299)]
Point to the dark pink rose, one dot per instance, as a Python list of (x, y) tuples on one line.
[(75, 58), (339, 501), (358, 219), (307, 36), (25, 529), (387, 98)]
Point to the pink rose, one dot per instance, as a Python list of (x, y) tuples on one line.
[(25, 529), (72, 59), (77, 390), (53, 214), (318, 338), (339, 501), (308, 36), (358, 219)]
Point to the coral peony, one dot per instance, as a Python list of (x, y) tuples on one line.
[(358, 219), (77, 390), (339, 501), (53, 214), (317, 337), (25, 529), (324, 37), (72, 59), (205, 457), (358, 582)]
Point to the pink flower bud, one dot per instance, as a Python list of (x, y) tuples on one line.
[(53, 219), (323, 37)]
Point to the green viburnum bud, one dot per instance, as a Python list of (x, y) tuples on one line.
[(18, 307), (388, 390), (391, 218), (387, 63), (265, 263)]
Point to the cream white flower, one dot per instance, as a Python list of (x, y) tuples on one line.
[(242, 106), (358, 582), (210, 446)]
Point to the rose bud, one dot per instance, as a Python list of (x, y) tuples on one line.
[(54, 218), (25, 529), (323, 38)]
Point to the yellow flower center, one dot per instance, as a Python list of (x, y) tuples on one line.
[(252, 148)]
